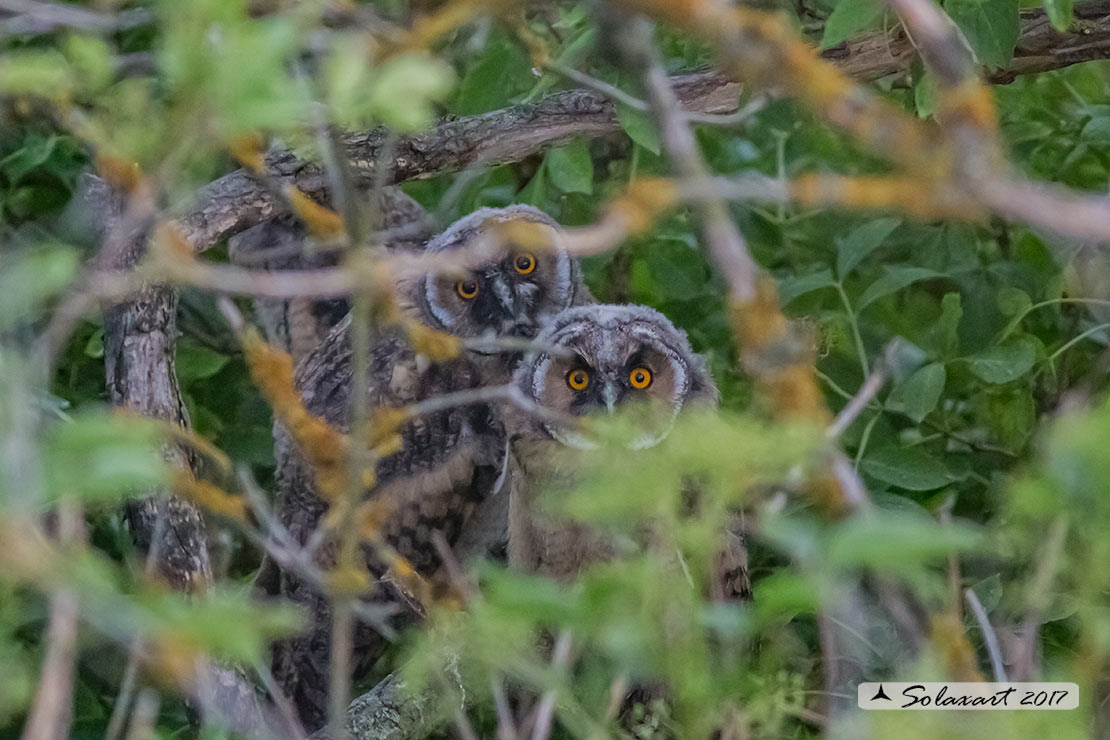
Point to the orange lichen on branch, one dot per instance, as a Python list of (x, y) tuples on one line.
[(381, 431), (970, 102), (777, 357), (322, 222), (921, 198), (120, 173), (324, 447), (210, 497), (169, 244), (249, 151), (523, 232), (438, 346), (645, 201), (946, 632), (427, 29)]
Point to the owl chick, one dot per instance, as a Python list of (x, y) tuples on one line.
[(613, 356), (444, 479)]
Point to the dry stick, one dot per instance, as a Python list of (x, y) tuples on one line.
[(52, 711)]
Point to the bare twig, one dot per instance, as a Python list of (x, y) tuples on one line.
[(990, 638), (545, 710), (52, 710), (859, 402)]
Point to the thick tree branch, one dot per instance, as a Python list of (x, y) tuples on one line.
[(1039, 49), (237, 201), (140, 335)]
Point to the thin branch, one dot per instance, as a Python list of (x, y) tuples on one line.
[(990, 638), (52, 710), (544, 714)]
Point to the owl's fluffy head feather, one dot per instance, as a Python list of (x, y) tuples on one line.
[(603, 357), (508, 290)]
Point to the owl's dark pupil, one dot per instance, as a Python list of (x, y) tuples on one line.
[(640, 376), (525, 263)]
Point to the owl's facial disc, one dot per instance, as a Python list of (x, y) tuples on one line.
[(510, 297), (631, 375)]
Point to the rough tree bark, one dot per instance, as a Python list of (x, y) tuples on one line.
[(140, 333)]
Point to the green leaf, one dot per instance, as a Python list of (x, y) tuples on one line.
[(1096, 130), (31, 277), (992, 27), (677, 269), (195, 362), (861, 242), (848, 17), (910, 468), (925, 95), (571, 168), (1005, 362), (36, 150), (639, 127), (896, 542), (500, 73), (896, 278), (1013, 301), (95, 346), (946, 333), (1011, 415), (1059, 13), (792, 287), (989, 592), (103, 456), (919, 395), (44, 73), (535, 192), (404, 89)]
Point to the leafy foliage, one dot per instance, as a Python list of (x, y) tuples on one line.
[(972, 451)]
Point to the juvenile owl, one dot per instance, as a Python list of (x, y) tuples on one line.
[(612, 356), (444, 480)]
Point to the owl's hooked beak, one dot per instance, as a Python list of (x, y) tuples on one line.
[(609, 395), (514, 322)]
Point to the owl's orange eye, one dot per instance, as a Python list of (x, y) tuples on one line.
[(578, 379), (640, 378), (467, 289), (524, 263)]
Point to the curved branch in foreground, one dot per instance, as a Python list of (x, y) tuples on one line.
[(237, 201)]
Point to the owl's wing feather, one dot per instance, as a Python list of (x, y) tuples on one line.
[(449, 462)]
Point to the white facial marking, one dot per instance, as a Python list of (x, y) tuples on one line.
[(441, 314), (562, 278)]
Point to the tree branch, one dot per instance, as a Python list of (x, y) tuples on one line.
[(237, 201)]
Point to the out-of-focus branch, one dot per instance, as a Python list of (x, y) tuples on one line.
[(37, 17), (52, 711)]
